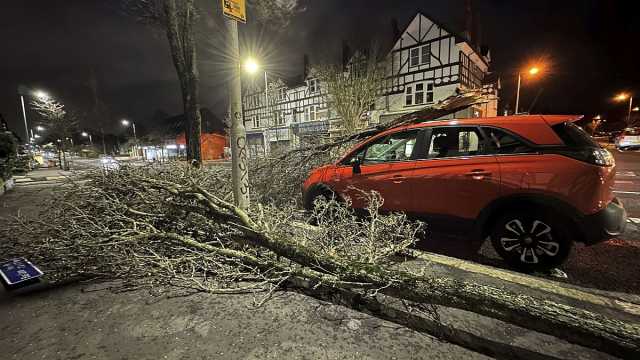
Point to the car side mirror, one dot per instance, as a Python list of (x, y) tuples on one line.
[(355, 165)]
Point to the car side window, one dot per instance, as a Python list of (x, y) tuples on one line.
[(504, 143), (394, 147), (455, 141)]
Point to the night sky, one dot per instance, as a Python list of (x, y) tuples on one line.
[(590, 47)]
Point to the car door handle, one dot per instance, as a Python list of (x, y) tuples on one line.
[(478, 174), (398, 179)]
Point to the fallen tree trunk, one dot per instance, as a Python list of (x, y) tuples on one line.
[(575, 325)]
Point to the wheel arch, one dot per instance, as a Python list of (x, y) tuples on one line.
[(490, 214), (314, 190)]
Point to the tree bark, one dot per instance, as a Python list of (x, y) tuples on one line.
[(180, 20)]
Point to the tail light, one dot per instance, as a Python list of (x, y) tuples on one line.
[(591, 155), (601, 157)]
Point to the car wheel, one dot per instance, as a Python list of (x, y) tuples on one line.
[(531, 241)]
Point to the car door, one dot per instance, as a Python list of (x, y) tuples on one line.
[(384, 166), (455, 176)]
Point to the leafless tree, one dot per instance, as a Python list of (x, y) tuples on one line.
[(58, 121), (353, 90), (178, 18)]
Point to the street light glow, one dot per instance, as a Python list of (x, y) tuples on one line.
[(622, 97), (251, 66), (125, 122), (41, 95), (40, 128), (597, 117), (534, 70), (37, 136), (636, 109), (84, 133)]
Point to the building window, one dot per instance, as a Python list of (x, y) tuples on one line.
[(426, 55), (313, 112), (420, 93), (256, 122), (313, 85), (282, 94), (278, 118), (420, 55), (415, 57), (419, 96)]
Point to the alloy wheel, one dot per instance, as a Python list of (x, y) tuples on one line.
[(530, 240)]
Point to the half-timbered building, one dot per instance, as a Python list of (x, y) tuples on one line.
[(427, 63)]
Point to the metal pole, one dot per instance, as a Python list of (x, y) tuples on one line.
[(135, 138), (239, 171), (104, 146), (517, 95), (24, 116), (629, 112), (90, 140)]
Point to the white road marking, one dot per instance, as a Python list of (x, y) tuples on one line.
[(626, 173), (627, 192), (624, 182), (634, 220)]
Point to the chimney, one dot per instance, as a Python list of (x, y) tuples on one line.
[(306, 66), (468, 21), (346, 54), (478, 32), (395, 30)]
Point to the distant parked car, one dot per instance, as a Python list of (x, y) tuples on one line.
[(532, 184), (628, 139)]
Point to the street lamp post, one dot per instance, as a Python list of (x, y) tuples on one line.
[(532, 71), (622, 97), (86, 134), (126, 122), (251, 67)]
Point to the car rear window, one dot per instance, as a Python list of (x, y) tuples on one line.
[(572, 135)]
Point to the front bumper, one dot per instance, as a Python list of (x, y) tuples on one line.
[(605, 224)]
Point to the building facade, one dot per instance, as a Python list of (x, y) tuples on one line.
[(426, 64)]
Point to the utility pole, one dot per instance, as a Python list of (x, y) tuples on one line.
[(239, 171), (518, 94)]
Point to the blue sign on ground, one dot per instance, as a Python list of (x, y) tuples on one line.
[(18, 270)]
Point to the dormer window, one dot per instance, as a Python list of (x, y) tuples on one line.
[(313, 85), (282, 93), (420, 55)]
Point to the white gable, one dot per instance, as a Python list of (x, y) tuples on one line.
[(419, 30)]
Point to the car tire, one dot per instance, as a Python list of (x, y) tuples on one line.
[(532, 241)]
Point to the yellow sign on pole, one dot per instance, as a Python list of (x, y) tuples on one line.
[(235, 9)]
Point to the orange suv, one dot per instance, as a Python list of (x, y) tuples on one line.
[(533, 184)]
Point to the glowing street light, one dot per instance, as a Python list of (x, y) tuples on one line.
[(86, 134), (532, 71), (622, 97), (126, 122), (41, 95), (37, 136), (40, 128), (636, 109), (251, 66)]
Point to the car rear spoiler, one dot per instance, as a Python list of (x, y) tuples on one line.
[(558, 119)]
